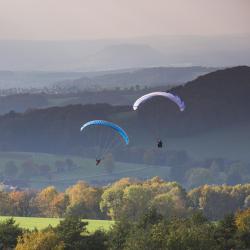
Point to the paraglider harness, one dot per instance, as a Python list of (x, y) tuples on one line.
[(98, 161), (159, 144)]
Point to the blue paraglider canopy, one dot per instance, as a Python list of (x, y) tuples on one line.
[(119, 130)]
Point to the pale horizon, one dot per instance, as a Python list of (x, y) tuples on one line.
[(117, 19)]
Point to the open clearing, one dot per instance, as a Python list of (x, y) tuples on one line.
[(41, 223)]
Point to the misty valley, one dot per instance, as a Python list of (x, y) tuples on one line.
[(49, 169)]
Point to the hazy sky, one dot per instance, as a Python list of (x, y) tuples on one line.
[(91, 19)]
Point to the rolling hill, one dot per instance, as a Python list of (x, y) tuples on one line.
[(145, 77), (84, 169), (216, 103)]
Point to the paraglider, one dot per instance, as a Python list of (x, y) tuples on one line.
[(174, 98), (98, 161), (110, 135), (168, 95)]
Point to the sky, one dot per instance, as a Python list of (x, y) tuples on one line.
[(109, 19)]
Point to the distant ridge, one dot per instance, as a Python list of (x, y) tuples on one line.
[(145, 77), (85, 55)]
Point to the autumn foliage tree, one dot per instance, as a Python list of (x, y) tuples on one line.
[(5, 203), (243, 220), (39, 240), (51, 203), (22, 202), (84, 200), (132, 199)]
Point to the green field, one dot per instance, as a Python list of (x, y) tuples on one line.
[(41, 223), (87, 170)]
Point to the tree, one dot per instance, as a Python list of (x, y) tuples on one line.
[(140, 239), (112, 201), (169, 205), (5, 203), (226, 232), (169, 198), (132, 199), (136, 200), (40, 240), (187, 234), (242, 219), (21, 202), (97, 240), (152, 231), (118, 234), (59, 205), (70, 231), (81, 195), (77, 210), (247, 202), (9, 233), (151, 217), (217, 201), (44, 201)]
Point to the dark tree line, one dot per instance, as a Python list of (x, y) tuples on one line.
[(151, 231)]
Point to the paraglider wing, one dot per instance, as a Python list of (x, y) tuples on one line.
[(120, 131), (168, 95)]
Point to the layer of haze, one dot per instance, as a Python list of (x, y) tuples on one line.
[(98, 19)]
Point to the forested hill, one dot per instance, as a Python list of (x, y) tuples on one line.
[(55, 129), (216, 100)]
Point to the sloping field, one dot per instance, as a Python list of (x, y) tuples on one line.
[(86, 170), (232, 142)]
